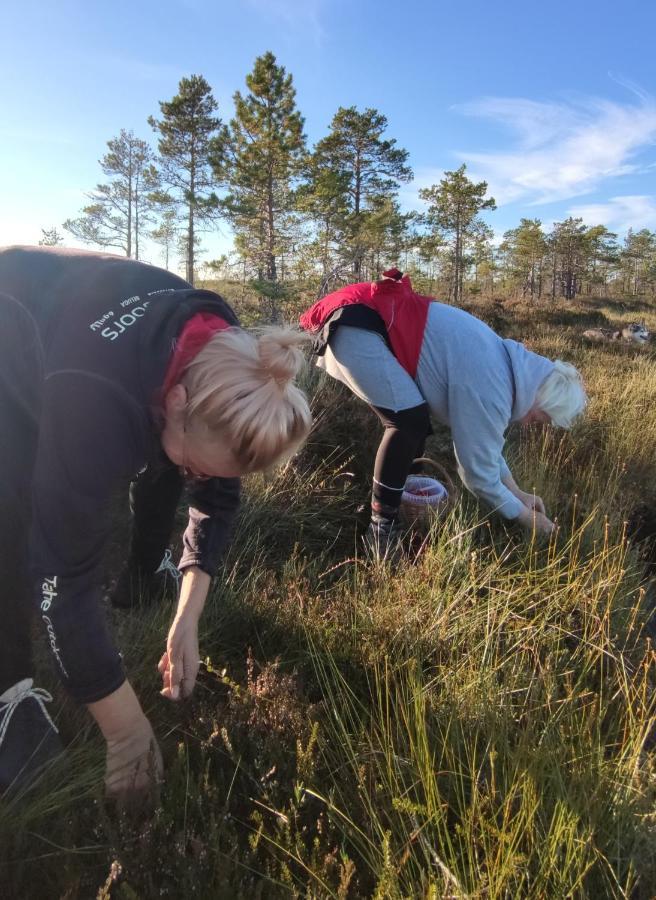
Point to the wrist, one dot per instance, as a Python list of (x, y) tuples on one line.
[(119, 713), (526, 516)]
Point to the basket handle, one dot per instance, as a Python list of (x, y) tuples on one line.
[(441, 471)]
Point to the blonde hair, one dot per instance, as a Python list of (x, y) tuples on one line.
[(242, 384), (562, 395)]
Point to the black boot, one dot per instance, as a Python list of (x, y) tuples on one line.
[(29, 740), (137, 587), (382, 540)]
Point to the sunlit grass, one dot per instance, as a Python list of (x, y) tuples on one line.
[(480, 723)]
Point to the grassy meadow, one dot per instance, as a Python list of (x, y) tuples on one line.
[(481, 725)]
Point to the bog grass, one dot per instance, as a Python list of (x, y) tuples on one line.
[(479, 724)]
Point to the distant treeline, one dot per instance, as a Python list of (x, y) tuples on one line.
[(311, 218)]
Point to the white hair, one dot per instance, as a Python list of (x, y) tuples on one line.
[(562, 395)]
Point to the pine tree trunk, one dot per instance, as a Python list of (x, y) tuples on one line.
[(456, 273), (271, 258), (190, 229), (129, 229), (136, 224), (190, 244), (357, 262)]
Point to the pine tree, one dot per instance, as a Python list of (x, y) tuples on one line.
[(453, 211), (260, 156), (601, 256), (122, 207), (166, 234), (367, 170), (638, 261), (524, 249), (50, 237), (568, 252), (322, 199), (481, 257), (188, 131)]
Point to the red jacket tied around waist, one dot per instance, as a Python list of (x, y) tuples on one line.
[(402, 312)]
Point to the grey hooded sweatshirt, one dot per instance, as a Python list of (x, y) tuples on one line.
[(477, 383), (473, 381)]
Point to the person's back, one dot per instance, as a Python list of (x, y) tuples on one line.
[(48, 281), (112, 370), (460, 350)]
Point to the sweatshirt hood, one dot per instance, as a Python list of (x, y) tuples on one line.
[(529, 371)]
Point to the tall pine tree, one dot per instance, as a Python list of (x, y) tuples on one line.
[(454, 205), (567, 243), (367, 171), (524, 249), (122, 207), (260, 157), (187, 131)]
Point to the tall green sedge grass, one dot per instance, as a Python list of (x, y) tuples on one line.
[(479, 723)]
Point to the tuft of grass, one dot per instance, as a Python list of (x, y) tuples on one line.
[(479, 723)]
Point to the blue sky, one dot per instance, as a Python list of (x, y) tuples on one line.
[(554, 104)]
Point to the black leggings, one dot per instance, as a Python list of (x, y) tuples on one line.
[(403, 440)]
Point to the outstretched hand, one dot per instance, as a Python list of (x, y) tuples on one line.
[(531, 501), (180, 663), (134, 762), (537, 522)]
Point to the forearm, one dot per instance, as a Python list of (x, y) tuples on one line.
[(179, 664), (493, 491), (193, 593), (134, 762), (118, 714)]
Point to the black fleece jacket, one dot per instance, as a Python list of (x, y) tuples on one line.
[(108, 327)]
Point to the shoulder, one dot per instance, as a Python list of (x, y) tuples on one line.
[(92, 431)]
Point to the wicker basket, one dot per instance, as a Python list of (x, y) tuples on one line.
[(419, 513)]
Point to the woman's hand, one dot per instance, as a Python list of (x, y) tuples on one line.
[(532, 501), (134, 761), (179, 663), (535, 521)]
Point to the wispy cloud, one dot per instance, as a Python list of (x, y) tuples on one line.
[(561, 149), (295, 15), (620, 213)]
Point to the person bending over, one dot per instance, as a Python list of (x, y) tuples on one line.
[(110, 368), (410, 357)]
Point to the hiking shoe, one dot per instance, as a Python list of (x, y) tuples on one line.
[(383, 541), (136, 587), (29, 740)]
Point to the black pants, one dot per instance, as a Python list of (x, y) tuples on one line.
[(21, 381), (403, 440), (154, 494)]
